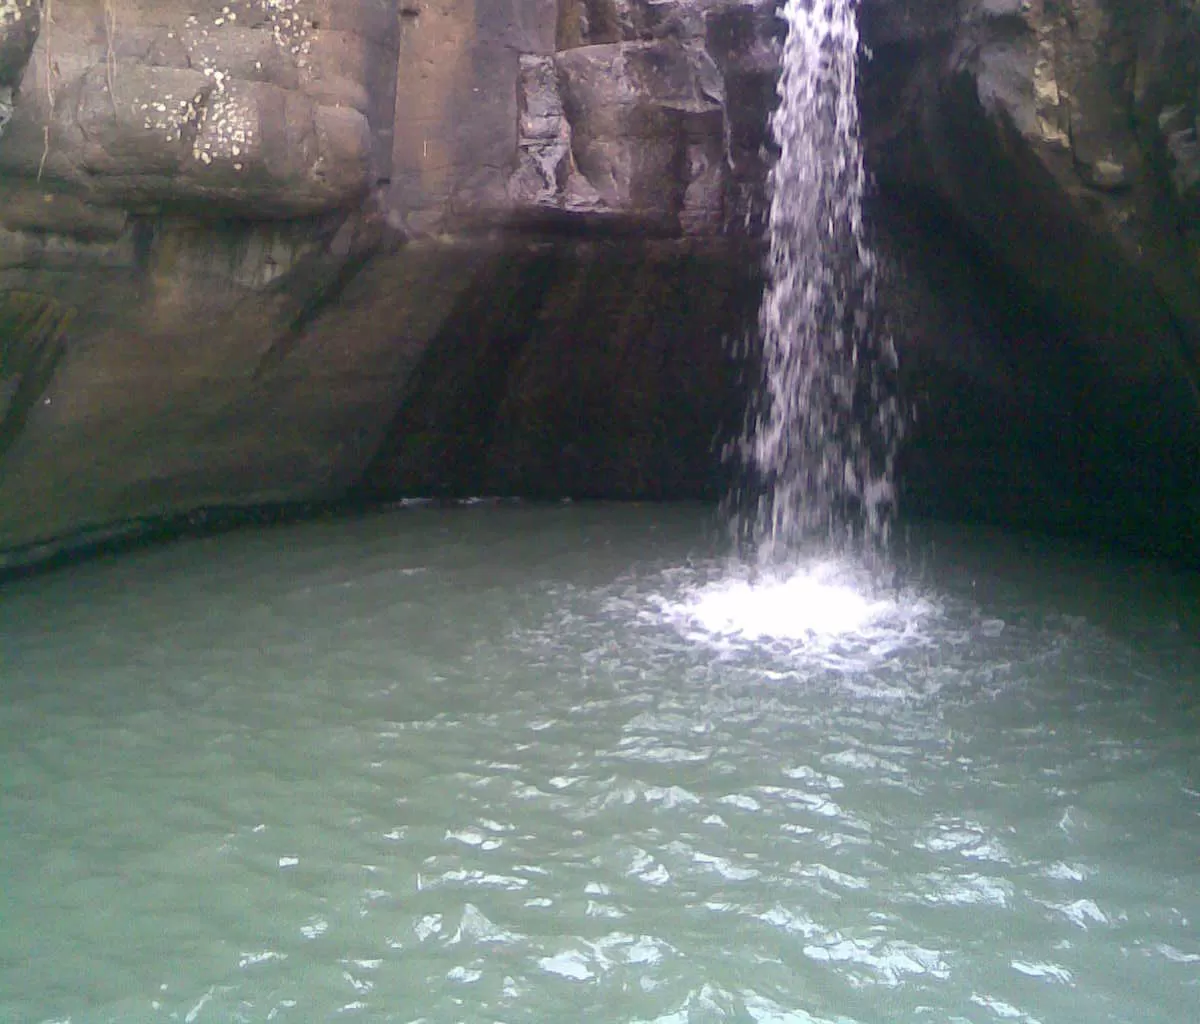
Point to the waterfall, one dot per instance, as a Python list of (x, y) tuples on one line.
[(820, 441)]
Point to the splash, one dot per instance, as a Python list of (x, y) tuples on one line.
[(820, 443), (815, 602), (819, 612)]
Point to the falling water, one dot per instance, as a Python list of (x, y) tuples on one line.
[(820, 443)]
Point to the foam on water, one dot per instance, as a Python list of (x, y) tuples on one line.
[(803, 605), (826, 611)]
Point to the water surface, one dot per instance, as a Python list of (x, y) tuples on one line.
[(563, 764)]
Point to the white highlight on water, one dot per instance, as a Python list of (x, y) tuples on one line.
[(807, 604), (823, 611), (820, 449)]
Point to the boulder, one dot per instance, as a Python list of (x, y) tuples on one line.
[(1061, 138), (20, 21)]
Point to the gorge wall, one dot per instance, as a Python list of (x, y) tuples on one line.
[(272, 251), (1052, 146)]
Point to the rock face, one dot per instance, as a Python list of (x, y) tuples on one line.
[(605, 373), (1054, 142), (20, 21), (264, 108), (263, 251), (277, 250)]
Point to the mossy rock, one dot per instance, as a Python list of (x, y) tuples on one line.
[(33, 331), (29, 320)]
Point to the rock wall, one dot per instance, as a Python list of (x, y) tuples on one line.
[(20, 21), (1052, 143), (605, 373), (242, 243), (544, 116), (255, 108), (260, 251)]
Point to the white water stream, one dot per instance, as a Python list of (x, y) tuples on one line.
[(820, 446)]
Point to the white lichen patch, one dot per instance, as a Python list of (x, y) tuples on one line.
[(229, 129), (291, 26), (290, 23), (170, 115), (229, 123)]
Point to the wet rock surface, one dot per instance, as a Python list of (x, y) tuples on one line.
[(611, 371), (267, 251), (1053, 140)]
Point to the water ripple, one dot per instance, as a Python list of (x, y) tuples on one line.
[(520, 789)]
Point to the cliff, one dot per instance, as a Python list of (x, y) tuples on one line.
[(1055, 144), (284, 250)]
